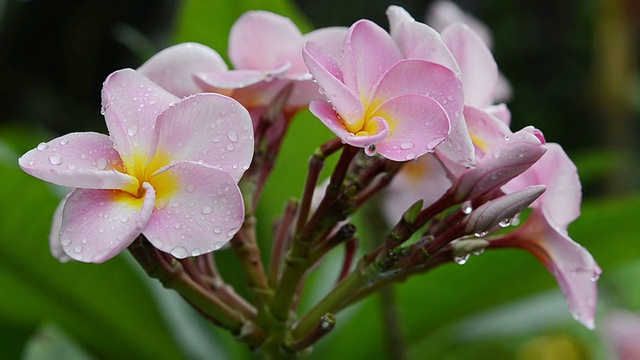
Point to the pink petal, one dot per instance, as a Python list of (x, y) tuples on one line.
[(419, 41), (325, 112), (479, 69), (208, 128), (622, 331), (173, 68), (500, 111), (328, 74), (260, 40), (572, 265), (54, 234), (425, 178), (485, 130), (200, 215), (236, 79), (443, 13), (423, 78), (85, 160), (331, 39), (131, 103), (368, 53), (98, 224), (417, 124), (561, 202), (457, 151)]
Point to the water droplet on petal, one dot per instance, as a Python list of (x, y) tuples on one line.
[(132, 130), (370, 150), (207, 210), (196, 252), (42, 146), (407, 145), (190, 188), (233, 136), (124, 219), (179, 252), (410, 156), (83, 156), (230, 147), (65, 241), (505, 223), (177, 225), (55, 159), (64, 142), (481, 234), (101, 163), (217, 230)]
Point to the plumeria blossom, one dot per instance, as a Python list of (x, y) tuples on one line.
[(545, 232), (381, 101), (265, 51), (168, 170)]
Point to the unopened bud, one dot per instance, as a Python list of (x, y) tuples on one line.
[(492, 213), (507, 161)]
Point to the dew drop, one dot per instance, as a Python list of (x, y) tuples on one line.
[(196, 252), (177, 225), (101, 163), (230, 147), (43, 146), (461, 260), (65, 241), (410, 156), (55, 159), (233, 136), (78, 249), (407, 145), (132, 130), (179, 252), (190, 188), (83, 156), (64, 142), (481, 234), (370, 150), (595, 277), (207, 210), (505, 223), (217, 230), (124, 219), (466, 208)]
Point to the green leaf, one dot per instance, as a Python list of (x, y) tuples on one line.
[(51, 343)]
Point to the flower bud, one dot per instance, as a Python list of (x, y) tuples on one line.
[(491, 213)]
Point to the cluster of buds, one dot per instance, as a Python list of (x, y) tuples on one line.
[(192, 144)]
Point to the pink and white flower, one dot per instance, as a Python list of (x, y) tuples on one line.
[(168, 170), (265, 50), (379, 99)]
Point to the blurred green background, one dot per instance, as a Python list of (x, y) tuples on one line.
[(573, 66)]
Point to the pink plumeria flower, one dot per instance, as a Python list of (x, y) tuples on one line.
[(265, 51), (168, 170), (380, 101), (572, 265)]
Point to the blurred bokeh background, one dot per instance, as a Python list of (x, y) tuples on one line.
[(574, 71)]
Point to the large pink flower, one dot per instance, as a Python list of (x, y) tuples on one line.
[(378, 98), (168, 170), (265, 50)]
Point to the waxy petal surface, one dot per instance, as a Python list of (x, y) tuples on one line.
[(369, 52), (237, 79), (54, 233), (417, 124), (424, 78), (479, 69), (200, 215), (86, 160), (98, 224), (328, 74), (260, 40), (486, 131), (174, 68), (331, 39), (208, 128), (131, 103), (572, 265)]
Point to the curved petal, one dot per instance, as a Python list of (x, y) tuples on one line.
[(207, 128), (130, 104), (369, 51), (200, 216), (561, 202), (174, 67), (417, 124), (328, 74), (261, 40), (500, 111), (572, 265), (237, 79), (457, 151), (424, 78), (98, 224), (486, 131), (479, 69), (331, 39), (79, 160), (419, 41), (54, 234)]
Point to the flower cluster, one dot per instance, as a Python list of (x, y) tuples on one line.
[(416, 120)]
